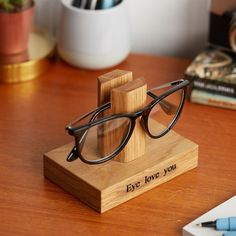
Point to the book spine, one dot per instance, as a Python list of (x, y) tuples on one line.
[(205, 98), (213, 86)]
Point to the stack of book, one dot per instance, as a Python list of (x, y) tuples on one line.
[(213, 78)]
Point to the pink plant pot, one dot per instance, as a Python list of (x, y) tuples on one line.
[(15, 30)]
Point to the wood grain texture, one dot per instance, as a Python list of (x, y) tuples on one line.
[(32, 122), (109, 81), (130, 97)]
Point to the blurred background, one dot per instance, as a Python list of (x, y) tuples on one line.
[(165, 27)]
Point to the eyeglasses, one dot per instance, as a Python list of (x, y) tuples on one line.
[(90, 138)]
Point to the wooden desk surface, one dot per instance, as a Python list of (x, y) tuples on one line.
[(32, 120)]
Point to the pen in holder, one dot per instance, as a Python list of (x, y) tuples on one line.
[(93, 39)]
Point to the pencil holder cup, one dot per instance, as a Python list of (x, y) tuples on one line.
[(93, 39)]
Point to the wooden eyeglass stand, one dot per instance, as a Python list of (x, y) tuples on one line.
[(143, 164)]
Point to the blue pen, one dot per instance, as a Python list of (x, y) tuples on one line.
[(105, 4), (227, 224)]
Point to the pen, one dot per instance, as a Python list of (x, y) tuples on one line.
[(79, 3), (83, 3), (88, 4), (228, 224), (93, 4), (76, 3), (104, 4)]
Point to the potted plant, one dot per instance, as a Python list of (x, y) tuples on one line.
[(15, 25)]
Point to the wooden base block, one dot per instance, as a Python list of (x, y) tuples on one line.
[(107, 185)]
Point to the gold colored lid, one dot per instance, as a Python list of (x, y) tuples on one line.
[(30, 64)]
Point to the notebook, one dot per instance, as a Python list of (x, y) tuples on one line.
[(226, 209)]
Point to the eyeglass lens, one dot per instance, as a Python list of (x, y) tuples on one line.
[(102, 140), (164, 112)]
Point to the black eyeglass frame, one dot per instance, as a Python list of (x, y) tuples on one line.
[(80, 132)]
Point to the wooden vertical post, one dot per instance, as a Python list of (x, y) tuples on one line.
[(126, 95), (131, 97), (105, 84), (109, 81)]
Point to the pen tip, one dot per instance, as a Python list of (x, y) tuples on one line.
[(199, 224)]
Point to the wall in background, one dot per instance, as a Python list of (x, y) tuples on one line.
[(163, 27)]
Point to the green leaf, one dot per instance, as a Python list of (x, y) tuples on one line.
[(6, 5), (14, 5)]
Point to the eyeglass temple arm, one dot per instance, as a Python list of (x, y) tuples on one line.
[(108, 105), (166, 106), (167, 85), (94, 113)]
